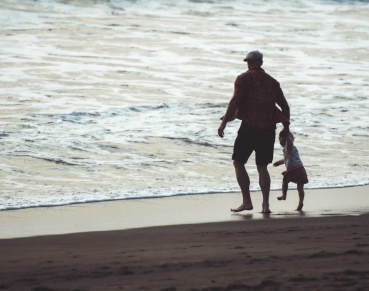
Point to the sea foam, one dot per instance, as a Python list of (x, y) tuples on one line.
[(107, 100)]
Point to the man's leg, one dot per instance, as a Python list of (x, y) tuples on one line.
[(264, 182), (264, 155), (244, 182)]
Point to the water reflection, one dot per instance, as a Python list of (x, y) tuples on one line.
[(241, 216), (260, 215)]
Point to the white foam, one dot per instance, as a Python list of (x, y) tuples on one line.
[(127, 95)]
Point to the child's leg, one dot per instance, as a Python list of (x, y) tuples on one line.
[(300, 189), (284, 191)]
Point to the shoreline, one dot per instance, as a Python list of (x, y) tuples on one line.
[(169, 196), (176, 210)]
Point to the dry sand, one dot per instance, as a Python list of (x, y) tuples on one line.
[(238, 252)]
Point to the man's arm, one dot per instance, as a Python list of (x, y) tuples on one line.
[(282, 102), (231, 111)]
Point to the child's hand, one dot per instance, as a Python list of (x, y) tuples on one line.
[(278, 163)]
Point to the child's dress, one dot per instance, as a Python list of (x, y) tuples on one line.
[(296, 172)]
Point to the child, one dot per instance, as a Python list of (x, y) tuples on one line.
[(295, 169)]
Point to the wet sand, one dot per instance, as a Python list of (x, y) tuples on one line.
[(324, 253), (127, 214), (326, 247)]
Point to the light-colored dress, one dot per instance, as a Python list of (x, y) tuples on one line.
[(295, 170), (291, 155)]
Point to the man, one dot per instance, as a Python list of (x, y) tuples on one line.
[(254, 102)]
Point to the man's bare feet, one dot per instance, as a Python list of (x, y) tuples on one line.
[(281, 197), (299, 207), (244, 206), (265, 208)]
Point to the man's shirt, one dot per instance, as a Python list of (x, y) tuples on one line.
[(260, 92)]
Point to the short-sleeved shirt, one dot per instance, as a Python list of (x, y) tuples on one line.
[(260, 94)]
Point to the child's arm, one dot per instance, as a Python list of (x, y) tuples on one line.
[(278, 163), (289, 143)]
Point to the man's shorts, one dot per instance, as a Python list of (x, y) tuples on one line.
[(259, 140)]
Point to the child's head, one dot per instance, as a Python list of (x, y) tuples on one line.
[(283, 137)]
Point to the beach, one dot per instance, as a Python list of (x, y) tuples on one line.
[(113, 176), (185, 209), (286, 250), (328, 253)]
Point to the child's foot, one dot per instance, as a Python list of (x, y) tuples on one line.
[(299, 207), (244, 206), (281, 197)]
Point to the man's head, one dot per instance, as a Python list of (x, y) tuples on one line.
[(254, 59)]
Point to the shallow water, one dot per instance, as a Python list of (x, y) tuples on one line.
[(121, 99)]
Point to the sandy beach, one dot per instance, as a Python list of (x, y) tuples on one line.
[(311, 250), (175, 210), (328, 253)]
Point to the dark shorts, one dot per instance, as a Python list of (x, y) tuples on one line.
[(258, 140)]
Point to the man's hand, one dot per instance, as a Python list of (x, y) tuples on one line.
[(283, 133), (221, 130), (286, 129)]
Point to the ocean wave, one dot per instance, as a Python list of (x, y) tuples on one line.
[(126, 95)]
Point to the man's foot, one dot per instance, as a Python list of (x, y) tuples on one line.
[(299, 207), (244, 206), (281, 197), (265, 208)]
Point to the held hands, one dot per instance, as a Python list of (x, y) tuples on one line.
[(286, 129)]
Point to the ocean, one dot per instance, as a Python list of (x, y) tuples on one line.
[(105, 100)]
